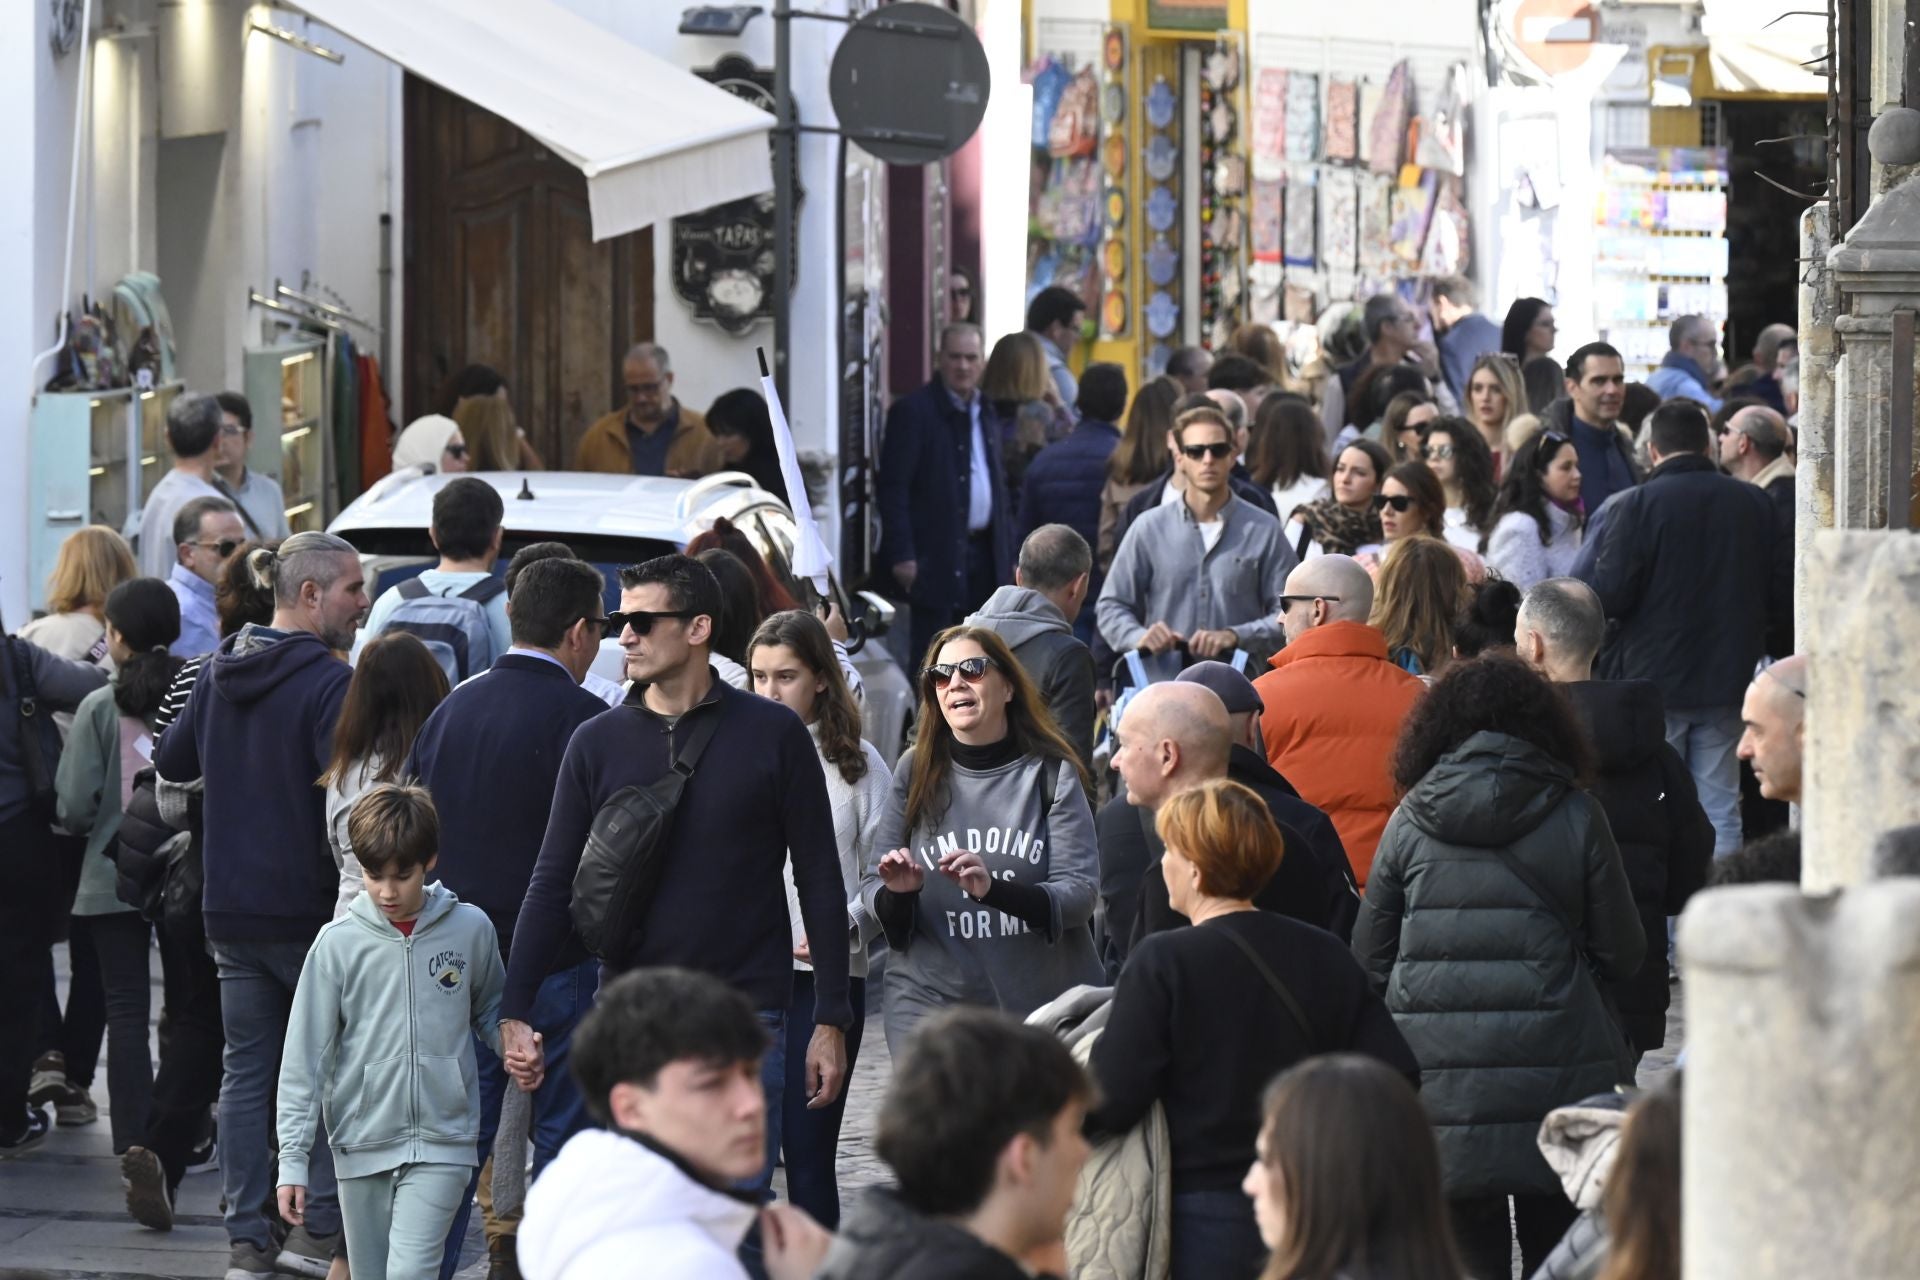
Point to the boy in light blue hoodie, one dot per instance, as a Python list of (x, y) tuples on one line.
[(379, 1044)]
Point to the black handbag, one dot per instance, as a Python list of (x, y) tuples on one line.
[(625, 854)]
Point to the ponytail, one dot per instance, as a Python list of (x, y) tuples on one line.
[(261, 563), (146, 614)]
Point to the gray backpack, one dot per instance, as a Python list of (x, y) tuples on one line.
[(454, 628)]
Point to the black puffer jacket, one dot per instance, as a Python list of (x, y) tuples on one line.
[(1665, 840), (882, 1238), (1483, 979)]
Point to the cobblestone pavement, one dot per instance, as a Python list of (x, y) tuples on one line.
[(62, 1215)]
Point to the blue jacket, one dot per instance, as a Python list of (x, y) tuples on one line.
[(925, 468), (259, 728), (1064, 482), (1680, 375), (490, 754)]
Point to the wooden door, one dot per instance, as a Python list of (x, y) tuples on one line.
[(502, 269)]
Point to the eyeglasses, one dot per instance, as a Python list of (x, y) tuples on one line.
[(973, 670), (1199, 451), (226, 546), (1437, 452), (641, 620), (1400, 502), (960, 290), (1551, 443), (457, 450), (232, 429), (1287, 602)]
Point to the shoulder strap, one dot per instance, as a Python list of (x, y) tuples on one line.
[(40, 780), (1301, 543), (687, 758), (413, 589), (483, 590), (1049, 783), (1547, 900), (1280, 988)]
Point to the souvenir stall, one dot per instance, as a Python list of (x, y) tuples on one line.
[(1660, 223)]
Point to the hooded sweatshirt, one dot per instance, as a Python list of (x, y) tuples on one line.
[(883, 1238), (380, 1040), (962, 951), (1042, 639), (259, 728), (610, 1206)]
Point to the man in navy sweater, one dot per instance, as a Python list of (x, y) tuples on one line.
[(259, 728), (490, 755), (756, 797), (1064, 482)]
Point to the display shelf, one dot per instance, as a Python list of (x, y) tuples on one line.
[(287, 384)]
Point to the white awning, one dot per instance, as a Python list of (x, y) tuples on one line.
[(653, 140), (1762, 46)]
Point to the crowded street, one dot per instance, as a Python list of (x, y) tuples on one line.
[(960, 640)]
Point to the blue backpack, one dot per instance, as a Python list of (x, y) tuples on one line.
[(454, 628)]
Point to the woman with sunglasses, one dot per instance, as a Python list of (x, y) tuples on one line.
[(433, 443), (1399, 428), (1458, 456), (1538, 519), (988, 871), (1349, 518), (1495, 397), (1413, 506), (793, 663)]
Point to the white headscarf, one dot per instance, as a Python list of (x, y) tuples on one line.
[(421, 444)]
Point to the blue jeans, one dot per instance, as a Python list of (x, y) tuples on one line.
[(1215, 1237), (1706, 738), (773, 1083), (257, 980), (811, 1139), (559, 1109)]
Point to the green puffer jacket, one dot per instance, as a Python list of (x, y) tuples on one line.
[(1481, 976)]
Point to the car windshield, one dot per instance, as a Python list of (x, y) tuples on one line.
[(407, 553)]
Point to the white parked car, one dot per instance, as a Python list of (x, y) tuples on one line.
[(612, 521)]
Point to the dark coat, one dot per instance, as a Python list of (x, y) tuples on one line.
[(926, 465), (1321, 838), (1780, 620), (1686, 575), (883, 1238), (1043, 643), (1063, 484), (1486, 984), (1665, 840)]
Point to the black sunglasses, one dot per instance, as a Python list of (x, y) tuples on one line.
[(457, 450), (1199, 451), (974, 670), (1398, 501), (641, 620), (226, 546), (1287, 602)]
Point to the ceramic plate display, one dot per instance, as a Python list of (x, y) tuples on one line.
[(1160, 104), (1161, 209), (1162, 157), (1163, 315), (1113, 104), (1113, 311), (1163, 262), (1116, 51), (1116, 207), (1113, 153), (1113, 259)]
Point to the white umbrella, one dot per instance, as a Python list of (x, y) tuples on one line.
[(811, 559)]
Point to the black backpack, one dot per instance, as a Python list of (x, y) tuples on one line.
[(625, 856), (157, 864)]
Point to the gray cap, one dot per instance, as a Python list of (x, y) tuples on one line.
[(1229, 685)]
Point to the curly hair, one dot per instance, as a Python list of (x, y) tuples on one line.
[(1472, 468), (1494, 693)]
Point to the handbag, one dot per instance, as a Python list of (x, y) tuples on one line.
[(625, 854)]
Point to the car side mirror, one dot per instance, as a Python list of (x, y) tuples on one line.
[(875, 613)]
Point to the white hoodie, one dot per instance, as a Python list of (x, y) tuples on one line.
[(608, 1207)]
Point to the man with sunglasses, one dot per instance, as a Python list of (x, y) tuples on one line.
[(756, 798), (205, 532), (1204, 572)]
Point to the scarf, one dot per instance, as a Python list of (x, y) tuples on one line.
[(1339, 530)]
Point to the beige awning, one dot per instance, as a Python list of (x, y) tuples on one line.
[(654, 140), (1764, 46)]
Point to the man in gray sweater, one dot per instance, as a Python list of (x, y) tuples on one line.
[(1035, 618), (1203, 571)]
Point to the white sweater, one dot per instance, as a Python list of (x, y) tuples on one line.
[(857, 807), (1515, 553)]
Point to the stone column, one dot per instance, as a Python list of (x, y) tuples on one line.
[(1801, 1099), (1813, 480), (1862, 763)]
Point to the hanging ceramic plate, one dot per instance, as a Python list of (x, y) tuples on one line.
[(1113, 257), (1113, 311), (1116, 207), (1113, 104), (1162, 208), (1116, 51), (1160, 104), (1163, 262), (1113, 153), (1163, 156), (1163, 315)]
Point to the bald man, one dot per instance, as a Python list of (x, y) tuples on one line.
[(1754, 448), (1334, 703), (1173, 737), (1775, 718)]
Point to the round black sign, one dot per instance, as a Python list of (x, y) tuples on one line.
[(909, 83)]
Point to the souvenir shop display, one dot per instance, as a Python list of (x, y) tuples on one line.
[(1387, 137), (1660, 245), (1222, 195), (1115, 304), (1269, 145), (1343, 120), (1076, 198), (1160, 152)]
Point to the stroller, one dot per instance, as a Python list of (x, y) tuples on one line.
[(1134, 671)]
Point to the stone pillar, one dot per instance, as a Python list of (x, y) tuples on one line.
[(1801, 1098), (1862, 763), (1813, 480)]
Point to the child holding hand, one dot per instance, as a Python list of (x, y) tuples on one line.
[(380, 1044)]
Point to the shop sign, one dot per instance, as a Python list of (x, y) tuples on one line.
[(723, 257), (1187, 15)]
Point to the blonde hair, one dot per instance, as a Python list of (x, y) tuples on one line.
[(493, 441), (1419, 597), (1520, 430), (1512, 386), (92, 562), (1017, 369)]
